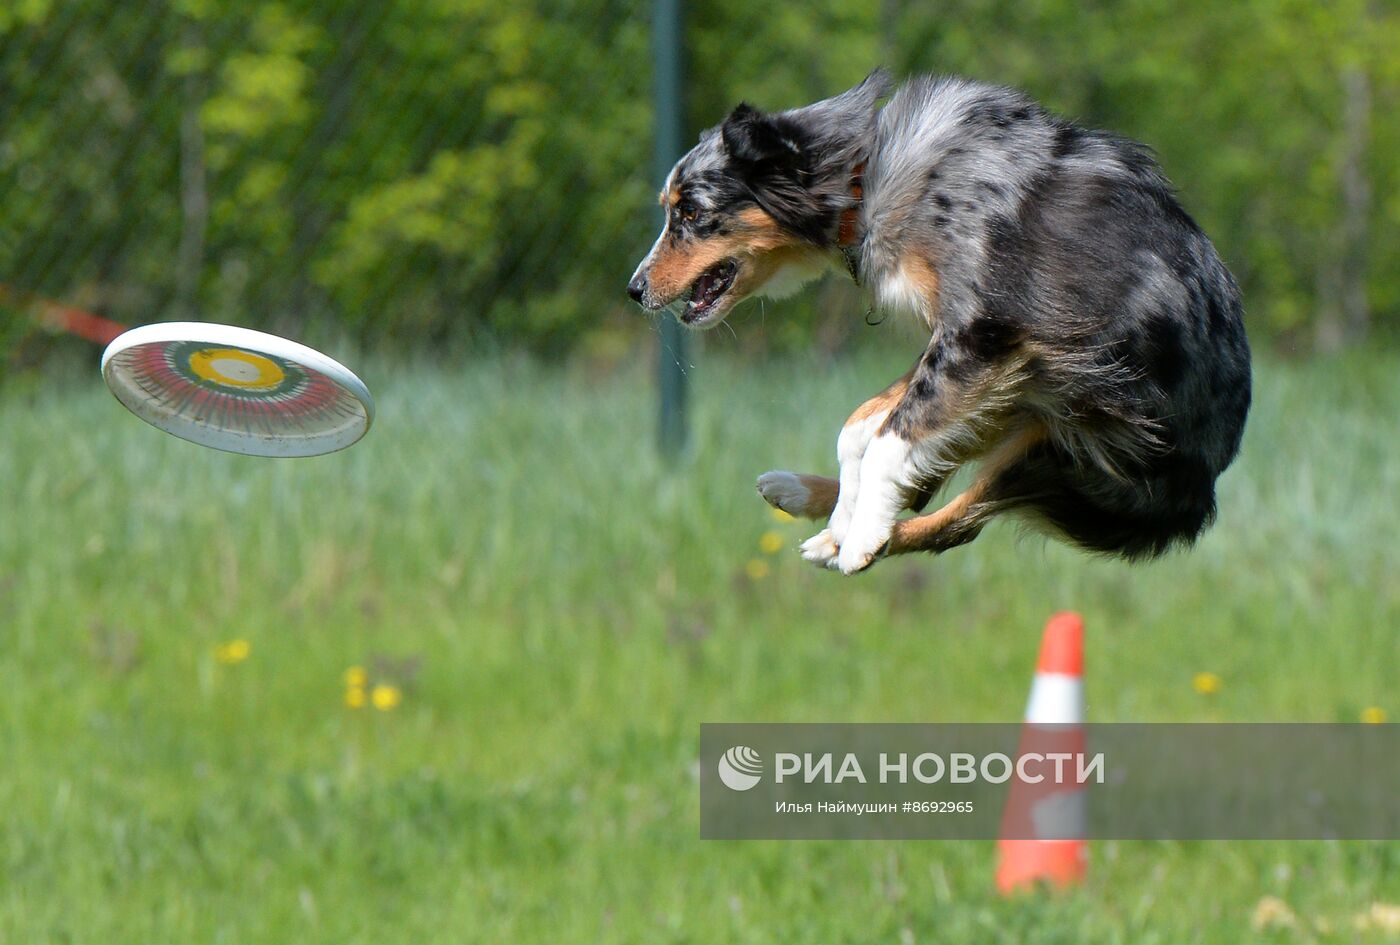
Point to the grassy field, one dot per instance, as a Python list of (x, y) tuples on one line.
[(556, 612)]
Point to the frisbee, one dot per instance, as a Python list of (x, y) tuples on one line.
[(237, 390)]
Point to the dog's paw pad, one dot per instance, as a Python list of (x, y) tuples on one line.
[(784, 490)]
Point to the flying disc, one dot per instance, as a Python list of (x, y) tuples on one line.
[(237, 390)]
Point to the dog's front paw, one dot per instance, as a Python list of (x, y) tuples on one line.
[(865, 542), (841, 516), (784, 490), (821, 550)]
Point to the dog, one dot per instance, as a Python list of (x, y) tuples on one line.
[(1086, 344)]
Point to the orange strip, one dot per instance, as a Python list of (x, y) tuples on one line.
[(846, 229), (58, 317)]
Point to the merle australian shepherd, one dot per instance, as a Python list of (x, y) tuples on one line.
[(1086, 350)]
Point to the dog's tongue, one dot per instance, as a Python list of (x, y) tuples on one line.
[(711, 285), (705, 286)]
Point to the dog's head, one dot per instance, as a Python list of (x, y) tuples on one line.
[(755, 206)]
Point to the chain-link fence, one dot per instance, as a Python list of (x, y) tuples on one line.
[(417, 168), (421, 171)]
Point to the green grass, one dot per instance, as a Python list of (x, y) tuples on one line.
[(562, 611)]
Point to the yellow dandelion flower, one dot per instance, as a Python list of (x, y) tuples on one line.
[(1207, 684), (1381, 917), (356, 676), (385, 697), (780, 516), (757, 569), (1373, 715), (232, 652), (355, 697), (1272, 912), (771, 543)]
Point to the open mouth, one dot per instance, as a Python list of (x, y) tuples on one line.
[(709, 289)]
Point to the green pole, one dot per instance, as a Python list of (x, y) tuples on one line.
[(670, 132)]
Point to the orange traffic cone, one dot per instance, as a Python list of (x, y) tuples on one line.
[(1043, 827)]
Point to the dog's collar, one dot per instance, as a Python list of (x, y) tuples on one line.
[(847, 240)]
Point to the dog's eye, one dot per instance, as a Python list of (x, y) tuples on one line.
[(688, 211)]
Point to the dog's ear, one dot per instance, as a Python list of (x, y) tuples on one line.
[(868, 93), (843, 117), (751, 137)]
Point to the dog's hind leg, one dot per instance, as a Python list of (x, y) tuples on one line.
[(809, 496), (799, 494), (962, 518), (957, 408)]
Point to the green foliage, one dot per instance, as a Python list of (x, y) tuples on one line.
[(424, 170), (411, 171)]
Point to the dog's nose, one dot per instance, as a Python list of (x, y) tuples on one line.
[(636, 287)]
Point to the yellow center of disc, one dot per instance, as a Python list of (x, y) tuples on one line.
[(234, 368)]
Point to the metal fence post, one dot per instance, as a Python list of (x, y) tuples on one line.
[(670, 130)]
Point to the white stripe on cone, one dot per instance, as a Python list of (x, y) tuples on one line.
[(1062, 816), (1056, 699)]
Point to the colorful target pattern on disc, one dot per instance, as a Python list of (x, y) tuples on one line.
[(237, 390)]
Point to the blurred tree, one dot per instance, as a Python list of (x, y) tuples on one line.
[(423, 170), (414, 169)]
